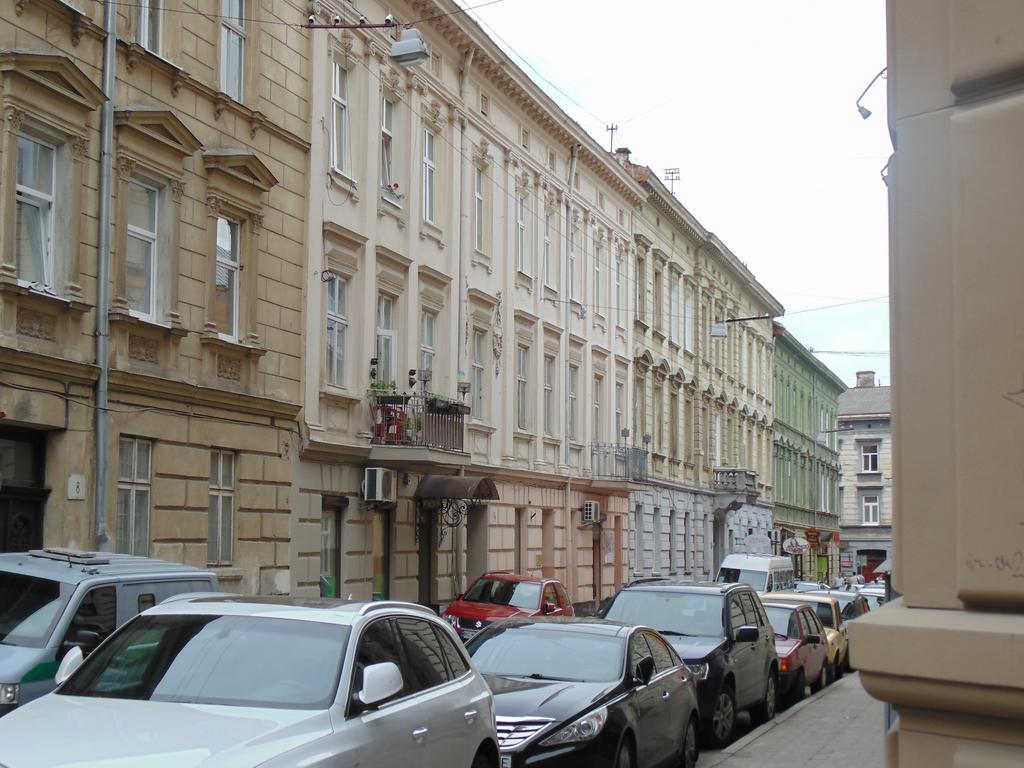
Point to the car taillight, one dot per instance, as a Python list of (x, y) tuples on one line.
[(784, 664)]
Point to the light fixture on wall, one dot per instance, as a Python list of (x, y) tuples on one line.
[(410, 50), (865, 113)]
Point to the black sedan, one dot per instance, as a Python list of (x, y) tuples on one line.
[(587, 693)]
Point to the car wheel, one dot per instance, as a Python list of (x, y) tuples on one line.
[(765, 711), (822, 680), (481, 760), (625, 757), (690, 753), (837, 670), (847, 667), (718, 731), (799, 688)]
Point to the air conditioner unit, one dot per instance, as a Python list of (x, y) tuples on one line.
[(591, 512), (378, 485)]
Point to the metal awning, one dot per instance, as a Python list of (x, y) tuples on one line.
[(456, 487), (885, 566)]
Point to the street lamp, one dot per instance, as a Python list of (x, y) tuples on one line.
[(409, 51), (865, 113)]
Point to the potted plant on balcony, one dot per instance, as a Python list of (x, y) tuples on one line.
[(386, 393), (436, 404)]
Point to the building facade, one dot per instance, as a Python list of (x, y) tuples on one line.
[(865, 487), (703, 394), (209, 140), (467, 335), (806, 456), (955, 192)]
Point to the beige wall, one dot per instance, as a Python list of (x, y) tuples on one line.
[(956, 195)]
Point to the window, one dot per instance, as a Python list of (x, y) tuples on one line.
[(425, 666), (673, 424), (524, 138), (551, 160), (429, 176), (573, 287), (387, 136), (869, 510), (673, 310), (232, 47), (222, 507), (596, 427), (427, 345), (688, 320), (34, 195), (659, 321), (620, 308), (330, 549), (869, 458), (133, 497), (142, 256), (574, 375), (148, 25), (478, 374), (659, 418), (386, 352), (521, 392), (521, 233), (547, 247), (225, 299), (641, 289), (620, 400), (718, 440), (337, 330), (549, 394), (339, 125), (457, 665), (377, 645), (597, 279), (435, 64), (656, 525), (478, 209), (485, 104)]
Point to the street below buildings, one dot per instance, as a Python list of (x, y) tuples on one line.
[(839, 726)]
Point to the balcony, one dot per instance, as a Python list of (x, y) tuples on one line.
[(732, 480), (420, 420), (609, 461)]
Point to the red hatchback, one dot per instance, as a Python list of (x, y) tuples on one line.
[(499, 595), (802, 648)]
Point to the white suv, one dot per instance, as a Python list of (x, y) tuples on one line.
[(270, 682)]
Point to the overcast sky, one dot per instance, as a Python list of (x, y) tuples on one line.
[(754, 102)]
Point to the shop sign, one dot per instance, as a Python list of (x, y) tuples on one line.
[(796, 545)]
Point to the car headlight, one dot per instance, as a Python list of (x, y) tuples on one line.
[(587, 727), (453, 620), (9, 693), (700, 671)]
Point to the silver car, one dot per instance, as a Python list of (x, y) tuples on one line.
[(211, 682)]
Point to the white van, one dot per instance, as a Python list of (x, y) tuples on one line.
[(765, 573)]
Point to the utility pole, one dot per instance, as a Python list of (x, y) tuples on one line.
[(672, 176), (611, 141)]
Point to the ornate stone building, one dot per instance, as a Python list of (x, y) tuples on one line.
[(209, 140), (463, 227), (703, 393)]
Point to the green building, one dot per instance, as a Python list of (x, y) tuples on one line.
[(806, 459)]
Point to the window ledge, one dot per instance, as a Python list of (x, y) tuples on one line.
[(226, 572), (552, 440), (523, 280), (392, 209), (127, 317), (430, 231), (22, 288), (522, 434), (550, 292), (251, 346), (345, 183), (641, 324), (659, 334), (674, 345), (339, 395), (481, 426)]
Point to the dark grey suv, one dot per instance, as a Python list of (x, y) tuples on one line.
[(723, 634)]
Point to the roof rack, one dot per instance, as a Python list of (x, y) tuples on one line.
[(646, 580), (381, 605), (71, 556)]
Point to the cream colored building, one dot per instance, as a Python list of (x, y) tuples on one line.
[(947, 655), (210, 141), (702, 404), (459, 223)]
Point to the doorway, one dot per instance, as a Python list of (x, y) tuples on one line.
[(380, 550), (22, 491)]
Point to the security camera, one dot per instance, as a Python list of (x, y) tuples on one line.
[(363, 19), (311, 18), (389, 20), (336, 19)]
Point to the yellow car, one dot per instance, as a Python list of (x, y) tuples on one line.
[(830, 613)]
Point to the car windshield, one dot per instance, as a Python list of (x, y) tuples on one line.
[(671, 613), (824, 611), (29, 607), (546, 653), (518, 594), (757, 579), (783, 621), (240, 661)]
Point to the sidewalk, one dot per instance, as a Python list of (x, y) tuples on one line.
[(840, 726)]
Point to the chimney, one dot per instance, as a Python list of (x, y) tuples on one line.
[(622, 155), (865, 379)]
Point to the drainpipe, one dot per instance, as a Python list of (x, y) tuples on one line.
[(103, 270), (573, 154)]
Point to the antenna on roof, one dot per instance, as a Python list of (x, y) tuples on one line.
[(611, 141), (672, 176)]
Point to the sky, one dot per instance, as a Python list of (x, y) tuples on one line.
[(755, 103)]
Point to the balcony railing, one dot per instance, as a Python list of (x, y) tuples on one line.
[(618, 462), (417, 420), (732, 480)]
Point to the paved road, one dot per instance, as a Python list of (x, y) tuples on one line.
[(840, 726)]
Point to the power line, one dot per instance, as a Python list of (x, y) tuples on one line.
[(834, 306)]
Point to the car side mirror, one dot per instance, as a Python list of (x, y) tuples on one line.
[(86, 640), (72, 660), (748, 635), (550, 607), (605, 605), (812, 639), (644, 670), (380, 682)]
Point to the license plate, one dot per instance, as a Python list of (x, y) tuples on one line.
[(506, 761)]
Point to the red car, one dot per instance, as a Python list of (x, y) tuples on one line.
[(499, 595), (802, 647)]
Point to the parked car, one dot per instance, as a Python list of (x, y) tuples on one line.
[(587, 692), (852, 604), (808, 586), (267, 681), (52, 600), (802, 648), (765, 573), (498, 595), (874, 594), (723, 634), (828, 612)]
